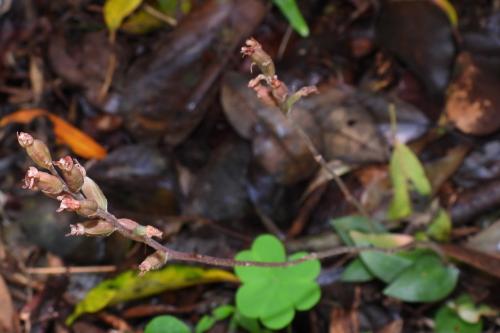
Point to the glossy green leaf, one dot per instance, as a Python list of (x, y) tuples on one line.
[(130, 286), (166, 324), (292, 12), (448, 321), (344, 225), (115, 11), (357, 271), (405, 167), (273, 294), (440, 227), (427, 280)]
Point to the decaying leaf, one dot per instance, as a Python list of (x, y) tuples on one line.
[(473, 100), (79, 142), (487, 240), (130, 286)]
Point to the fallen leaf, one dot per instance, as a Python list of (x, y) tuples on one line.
[(115, 11), (79, 142), (420, 35), (440, 170), (130, 286), (487, 240), (473, 100), (187, 61), (479, 260)]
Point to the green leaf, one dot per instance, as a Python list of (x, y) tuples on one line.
[(115, 11), (440, 227), (130, 286), (166, 324), (273, 294), (292, 12), (344, 225), (356, 271), (447, 321), (405, 167), (384, 266), (208, 321), (427, 280)]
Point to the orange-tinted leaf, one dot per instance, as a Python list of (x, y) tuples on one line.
[(79, 142)]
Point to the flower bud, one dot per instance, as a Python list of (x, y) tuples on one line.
[(85, 207), (36, 149), (92, 192), (72, 172), (92, 228), (254, 50), (153, 261), (138, 232), (43, 181)]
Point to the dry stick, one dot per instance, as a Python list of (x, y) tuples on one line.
[(70, 270)]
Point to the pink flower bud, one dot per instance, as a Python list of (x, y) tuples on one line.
[(254, 50), (43, 181), (24, 139), (73, 173), (153, 261), (92, 228), (37, 150), (87, 208)]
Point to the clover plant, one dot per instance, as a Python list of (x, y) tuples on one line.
[(273, 294)]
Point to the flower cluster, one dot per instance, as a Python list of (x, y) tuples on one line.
[(76, 192), (269, 89)]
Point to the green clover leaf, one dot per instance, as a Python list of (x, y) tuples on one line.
[(272, 294)]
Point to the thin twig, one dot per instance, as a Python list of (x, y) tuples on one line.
[(70, 270), (159, 15)]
